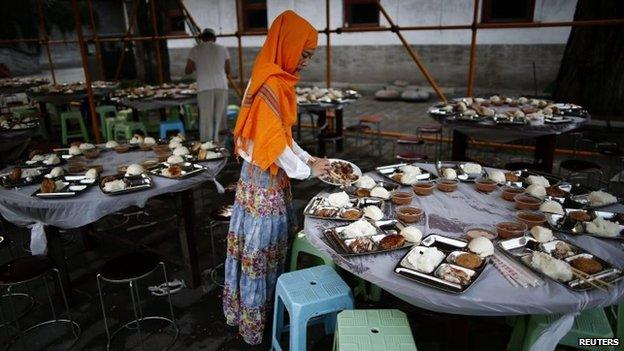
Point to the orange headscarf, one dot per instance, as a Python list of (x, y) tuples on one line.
[(269, 108)]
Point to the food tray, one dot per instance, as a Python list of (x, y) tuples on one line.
[(188, 170), (27, 126), (6, 182), (459, 169), (69, 190), (522, 248), (389, 186), (451, 248), (473, 118), (438, 111), (332, 181), (223, 153), (135, 183), (506, 120), (582, 200), (525, 173), (557, 120), (384, 227), (390, 170), (30, 164), (568, 225), (335, 213), (80, 179)]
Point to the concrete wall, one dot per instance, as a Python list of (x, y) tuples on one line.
[(498, 66)]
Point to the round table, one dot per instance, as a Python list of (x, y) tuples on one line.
[(492, 295), (46, 216)]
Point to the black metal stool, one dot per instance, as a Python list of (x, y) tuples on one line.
[(129, 269), (436, 133), (23, 271), (218, 217), (11, 297), (407, 149)]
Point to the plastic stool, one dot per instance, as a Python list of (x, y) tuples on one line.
[(369, 330), (407, 149), (374, 120), (312, 292), (436, 132), (75, 116), (167, 126), (103, 112), (589, 324), (126, 129), (301, 244), (190, 118)]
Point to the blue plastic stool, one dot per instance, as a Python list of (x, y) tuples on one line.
[(313, 292), (167, 126)]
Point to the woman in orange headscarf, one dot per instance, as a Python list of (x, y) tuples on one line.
[(258, 235)]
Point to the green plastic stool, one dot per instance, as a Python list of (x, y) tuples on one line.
[(24, 111), (77, 117), (301, 244), (371, 330), (126, 129), (589, 324), (190, 118), (103, 112)]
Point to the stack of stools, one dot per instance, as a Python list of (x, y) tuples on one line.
[(406, 150), (105, 112), (22, 271), (435, 131), (369, 330), (311, 295), (129, 269), (66, 118)]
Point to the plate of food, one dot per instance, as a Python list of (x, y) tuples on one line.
[(595, 199), (121, 184), (364, 237), (464, 171), (340, 206), (45, 160), (560, 261), (601, 224), (449, 264), (201, 155), (176, 171), (405, 174), (19, 177), (56, 189), (341, 173)]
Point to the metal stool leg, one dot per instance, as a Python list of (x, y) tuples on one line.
[(173, 321), (17, 324), (69, 316), (108, 336), (136, 316)]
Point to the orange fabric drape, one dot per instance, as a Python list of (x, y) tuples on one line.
[(269, 107)]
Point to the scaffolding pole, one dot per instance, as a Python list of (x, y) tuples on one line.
[(328, 47), (473, 47), (98, 45), (133, 19), (45, 40), (241, 79), (413, 54), (85, 67), (156, 42)]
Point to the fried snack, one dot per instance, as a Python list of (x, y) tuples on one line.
[(201, 154), (361, 192), (580, 216), (175, 171), (34, 153), (361, 244), (555, 191), (325, 212), (587, 265), (106, 180), (15, 174), (511, 177), (397, 177), (469, 260), (48, 186), (352, 213), (392, 242), (562, 250)]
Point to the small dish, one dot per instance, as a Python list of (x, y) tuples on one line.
[(507, 230), (509, 192), (480, 231), (122, 148), (531, 218), (448, 185), (527, 202), (91, 153), (409, 214), (402, 198), (485, 185), (423, 188)]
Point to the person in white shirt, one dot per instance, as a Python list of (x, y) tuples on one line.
[(211, 62), (257, 239)]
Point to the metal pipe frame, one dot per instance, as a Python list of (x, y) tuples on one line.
[(159, 65), (98, 45), (473, 47), (46, 41), (95, 123), (133, 19), (238, 34), (328, 46)]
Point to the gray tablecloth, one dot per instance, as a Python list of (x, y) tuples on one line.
[(155, 104), (492, 295), (19, 207), (58, 99), (489, 130)]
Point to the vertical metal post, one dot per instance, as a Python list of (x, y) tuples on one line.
[(156, 42), (240, 45), (46, 39), (98, 46), (412, 53), (328, 48), (85, 66), (473, 48), (135, 8)]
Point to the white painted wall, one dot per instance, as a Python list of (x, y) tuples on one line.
[(221, 16)]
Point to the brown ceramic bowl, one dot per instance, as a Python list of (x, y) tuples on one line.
[(409, 214), (150, 163), (98, 168), (508, 230), (402, 198), (122, 148), (76, 167), (509, 192), (423, 188), (362, 192), (121, 170), (531, 218), (160, 148), (480, 231), (527, 202), (485, 185), (448, 185), (91, 153), (145, 147)]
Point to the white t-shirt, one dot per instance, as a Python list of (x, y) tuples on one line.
[(209, 61)]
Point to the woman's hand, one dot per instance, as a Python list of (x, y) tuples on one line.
[(319, 166)]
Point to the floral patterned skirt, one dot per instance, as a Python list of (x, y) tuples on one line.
[(256, 249)]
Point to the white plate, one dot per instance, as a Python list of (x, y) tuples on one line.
[(356, 170)]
